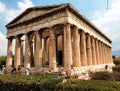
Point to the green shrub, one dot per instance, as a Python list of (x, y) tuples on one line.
[(2, 60), (88, 85), (116, 62), (116, 68), (102, 75), (28, 83), (10, 82), (117, 76)]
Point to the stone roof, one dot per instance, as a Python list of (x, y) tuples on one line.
[(53, 8)]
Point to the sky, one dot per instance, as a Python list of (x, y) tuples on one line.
[(104, 16)]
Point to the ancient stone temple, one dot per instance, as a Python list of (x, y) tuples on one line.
[(56, 37)]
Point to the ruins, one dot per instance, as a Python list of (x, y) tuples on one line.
[(56, 37)]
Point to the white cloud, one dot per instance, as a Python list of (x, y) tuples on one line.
[(6, 15), (2, 7), (12, 13), (109, 22), (25, 4), (3, 45)]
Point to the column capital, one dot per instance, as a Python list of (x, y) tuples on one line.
[(87, 34), (74, 27), (67, 24)]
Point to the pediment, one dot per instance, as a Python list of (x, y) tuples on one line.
[(29, 15), (33, 12)]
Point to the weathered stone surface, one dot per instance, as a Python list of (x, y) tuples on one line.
[(52, 38)]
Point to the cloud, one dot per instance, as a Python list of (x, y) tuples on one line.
[(3, 45), (22, 5), (109, 22), (6, 15), (10, 13), (2, 7), (25, 4)]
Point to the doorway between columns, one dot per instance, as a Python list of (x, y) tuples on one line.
[(59, 51)]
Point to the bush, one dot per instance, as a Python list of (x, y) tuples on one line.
[(10, 82), (116, 68), (2, 60), (116, 62), (117, 76), (102, 75), (87, 85), (27, 83)]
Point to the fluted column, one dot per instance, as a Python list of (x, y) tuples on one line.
[(27, 58), (107, 54), (97, 51), (45, 52), (22, 56), (93, 51), (102, 50), (17, 52), (88, 50), (38, 51), (67, 46), (83, 49), (76, 47), (99, 48), (9, 53), (111, 59), (52, 51), (103, 53), (110, 54)]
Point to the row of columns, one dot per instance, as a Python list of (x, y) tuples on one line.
[(79, 49), (86, 50)]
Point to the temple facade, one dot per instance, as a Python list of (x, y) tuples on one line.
[(56, 37)]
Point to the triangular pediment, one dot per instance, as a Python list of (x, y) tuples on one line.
[(33, 12)]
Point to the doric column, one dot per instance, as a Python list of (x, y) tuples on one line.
[(83, 49), (102, 50), (105, 53), (22, 60), (99, 48), (88, 50), (17, 52), (76, 47), (93, 47), (9, 53), (27, 58), (45, 52), (67, 46), (111, 59), (97, 51), (52, 51), (108, 54), (38, 51)]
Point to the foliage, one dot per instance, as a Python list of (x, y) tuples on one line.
[(117, 76), (49, 83), (2, 60), (89, 85), (102, 75), (116, 62), (116, 68), (27, 83)]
